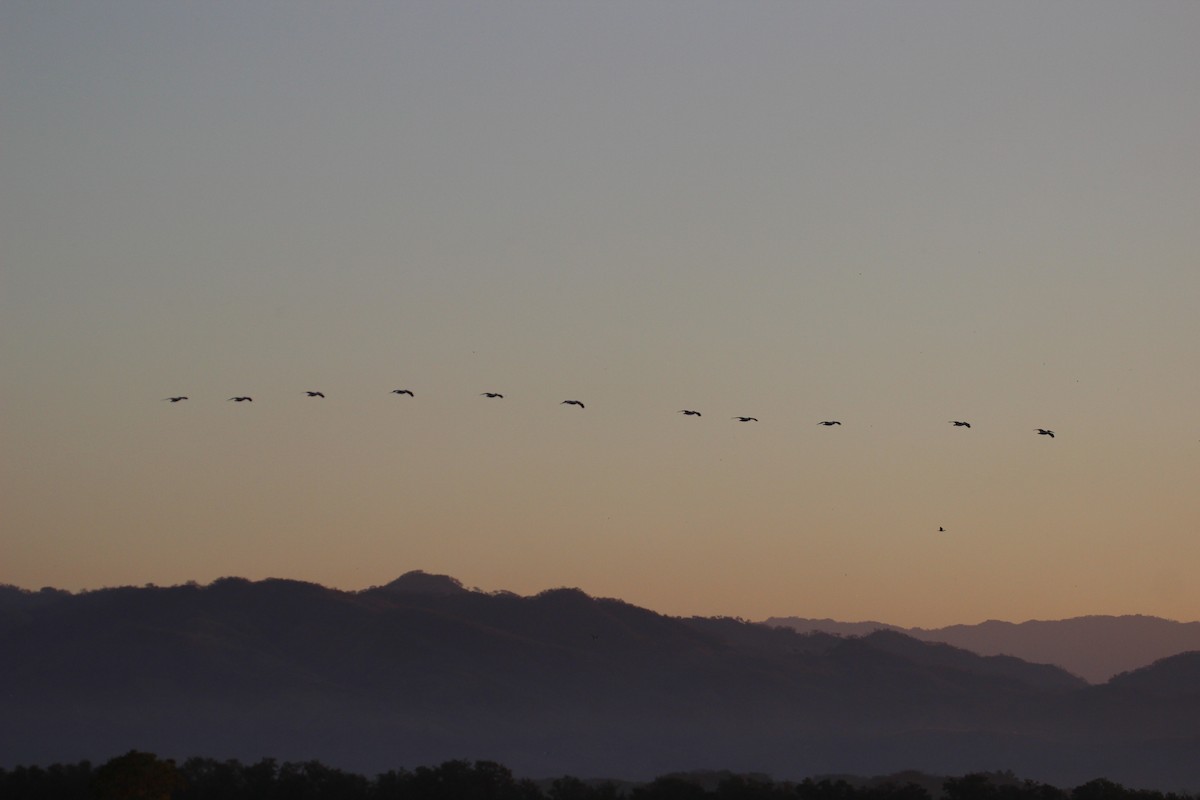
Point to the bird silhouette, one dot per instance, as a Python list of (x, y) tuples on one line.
[(691, 413), (959, 423), (941, 529), (572, 403), (746, 419), (829, 422), (1044, 432), (492, 394), (315, 394), (403, 391), (242, 399), (176, 398)]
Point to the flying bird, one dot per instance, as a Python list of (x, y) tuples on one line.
[(829, 422), (492, 394), (691, 413), (746, 419), (242, 399), (959, 423), (403, 391), (572, 403), (176, 398), (941, 529), (1045, 432), (315, 394)]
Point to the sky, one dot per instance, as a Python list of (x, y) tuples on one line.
[(893, 215)]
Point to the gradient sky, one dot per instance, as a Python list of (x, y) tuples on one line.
[(891, 214)]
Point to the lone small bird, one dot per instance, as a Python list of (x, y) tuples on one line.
[(492, 394), (959, 423), (572, 403), (746, 419), (403, 391), (1044, 432), (941, 529), (242, 399), (176, 398), (829, 422), (691, 413), (315, 394)]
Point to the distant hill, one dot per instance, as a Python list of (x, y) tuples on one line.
[(1175, 676), (1095, 647), (423, 670), (418, 582)]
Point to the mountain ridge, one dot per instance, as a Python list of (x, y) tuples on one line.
[(1095, 647), (556, 682)]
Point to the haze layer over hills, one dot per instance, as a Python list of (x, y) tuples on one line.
[(422, 670)]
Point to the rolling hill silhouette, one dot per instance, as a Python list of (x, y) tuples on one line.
[(1094, 647), (423, 670)]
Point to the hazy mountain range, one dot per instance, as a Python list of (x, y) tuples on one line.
[(423, 670), (1095, 647)]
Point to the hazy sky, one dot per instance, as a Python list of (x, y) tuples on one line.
[(890, 214)]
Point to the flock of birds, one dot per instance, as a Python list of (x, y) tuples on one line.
[(958, 423)]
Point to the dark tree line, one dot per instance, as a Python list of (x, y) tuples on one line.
[(144, 776)]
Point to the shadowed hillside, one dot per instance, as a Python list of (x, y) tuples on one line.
[(423, 670)]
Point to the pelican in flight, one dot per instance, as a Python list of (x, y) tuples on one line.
[(176, 398), (242, 399), (315, 394), (492, 394), (959, 423), (691, 413), (572, 403), (829, 422), (1044, 432), (746, 419), (403, 391)]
